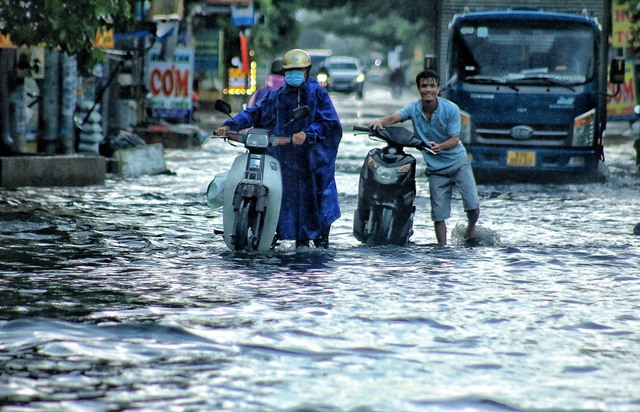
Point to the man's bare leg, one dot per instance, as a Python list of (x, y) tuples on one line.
[(441, 232), (472, 219)]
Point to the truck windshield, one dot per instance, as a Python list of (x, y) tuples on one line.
[(523, 52)]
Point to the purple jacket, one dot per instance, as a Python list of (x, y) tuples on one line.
[(273, 82)]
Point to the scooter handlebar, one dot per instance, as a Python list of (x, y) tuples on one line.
[(280, 140), (236, 136), (241, 137), (377, 132)]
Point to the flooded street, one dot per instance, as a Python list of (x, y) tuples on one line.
[(120, 297)]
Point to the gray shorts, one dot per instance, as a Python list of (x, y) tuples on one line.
[(441, 184)]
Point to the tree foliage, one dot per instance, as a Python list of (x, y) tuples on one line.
[(69, 25), (383, 24), (411, 11), (278, 31)]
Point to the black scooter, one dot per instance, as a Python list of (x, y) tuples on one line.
[(387, 188)]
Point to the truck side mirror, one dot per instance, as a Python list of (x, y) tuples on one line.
[(430, 62), (616, 72)]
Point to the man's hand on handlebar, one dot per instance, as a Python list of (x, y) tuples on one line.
[(222, 131), (299, 138), (435, 147), (376, 125)]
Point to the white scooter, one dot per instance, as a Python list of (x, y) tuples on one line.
[(253, 188)]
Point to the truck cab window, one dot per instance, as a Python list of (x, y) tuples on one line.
[(501, 52)]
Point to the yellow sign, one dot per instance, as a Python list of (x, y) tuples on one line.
[(621, 22), (104, 38), (166, 10), (622, 98), (240, 83), (5, 41)]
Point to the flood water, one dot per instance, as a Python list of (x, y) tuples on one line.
[(120, 297)]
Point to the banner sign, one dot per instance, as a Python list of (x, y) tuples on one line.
[(620, 107), (621, 25), (208, 44), (170, 84)]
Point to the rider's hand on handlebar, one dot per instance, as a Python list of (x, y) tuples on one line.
[(299, 138), (435, 147), (376, 125), (222, 131)]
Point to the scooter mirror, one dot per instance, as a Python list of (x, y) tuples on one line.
[(301, 112), (223, 107)]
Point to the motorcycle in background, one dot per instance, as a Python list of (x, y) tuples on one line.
[(252, 191), (387, 188)]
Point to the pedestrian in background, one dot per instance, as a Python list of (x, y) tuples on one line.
[(274, 81)]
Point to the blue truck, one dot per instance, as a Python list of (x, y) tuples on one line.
[(532, 88)]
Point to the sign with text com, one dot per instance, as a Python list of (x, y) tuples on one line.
[(170, 84)]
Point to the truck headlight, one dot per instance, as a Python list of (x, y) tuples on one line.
[(584, 129), (465, 127)]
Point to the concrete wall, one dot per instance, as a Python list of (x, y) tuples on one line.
[(58, 170)]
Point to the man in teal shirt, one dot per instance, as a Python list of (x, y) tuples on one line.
[(437, 122)]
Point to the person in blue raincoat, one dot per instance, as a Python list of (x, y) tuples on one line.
[(309, 196)]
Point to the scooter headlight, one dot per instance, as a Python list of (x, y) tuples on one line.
[(386, 175), (257, 140)]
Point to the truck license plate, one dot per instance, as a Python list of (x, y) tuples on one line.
[(527, 159)]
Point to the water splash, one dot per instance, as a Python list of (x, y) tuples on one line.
[(484, 236)]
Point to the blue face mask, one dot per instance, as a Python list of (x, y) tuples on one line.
[(294, 77)]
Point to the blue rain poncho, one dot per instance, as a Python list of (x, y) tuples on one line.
[(309, 195)]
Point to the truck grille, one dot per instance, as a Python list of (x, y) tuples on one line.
[(542, 135)]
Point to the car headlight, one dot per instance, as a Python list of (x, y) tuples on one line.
[(322, 78), (360, 78), (584, 129)]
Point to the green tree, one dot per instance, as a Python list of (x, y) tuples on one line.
[(69, 25), (382, 23)]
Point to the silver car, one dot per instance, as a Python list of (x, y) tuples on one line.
[(344, 74)]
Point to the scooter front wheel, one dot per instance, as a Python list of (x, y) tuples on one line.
[(381, 227), (241, 227)]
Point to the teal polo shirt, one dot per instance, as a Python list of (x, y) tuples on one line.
[(445, 123)]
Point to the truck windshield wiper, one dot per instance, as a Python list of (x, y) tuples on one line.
[(548, 81), (490, 80)]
